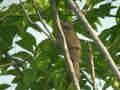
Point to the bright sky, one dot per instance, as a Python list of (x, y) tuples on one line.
[(106, 23)]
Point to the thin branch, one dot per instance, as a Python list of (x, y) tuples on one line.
[(29, 19), (96, 38), (8, 64), (25, 13), (66, 50), (54, 11), (41, 19), (115, 16), (14, 63), (91, 57), (86, 77)]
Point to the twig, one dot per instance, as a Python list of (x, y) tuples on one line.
[(96, 38), (55, 19), (8, 64), (115, 16), (25, 13), (14, 63), (86, 77), (66, 50), (29, 19), (41, 19), (92, 65)]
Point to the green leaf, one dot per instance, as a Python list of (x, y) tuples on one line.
[(23, 55), (28, 77), (7, 34), (12, 72), (21, 86), (46, 49), (102, 11), (1, 1), (27, 42), (91, 3), (4, 86), (118, 16), (45, 68)]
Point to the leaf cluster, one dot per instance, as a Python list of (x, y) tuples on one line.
[(42, 64)]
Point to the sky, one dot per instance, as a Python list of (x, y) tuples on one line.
[(106, 23)]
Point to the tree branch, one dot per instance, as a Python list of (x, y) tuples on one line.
[(92, 65), (25, 13), (41, 20), (29, 19), (55, 19), (8, 64), (95, 37), (115, 16), (86, 77), (14, 63), (66, 50)]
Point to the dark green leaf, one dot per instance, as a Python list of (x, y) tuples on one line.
[(4, 86), (1, 1), (27, 42), (28, 77), (23, 55)]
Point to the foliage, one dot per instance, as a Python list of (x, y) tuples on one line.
[(42, 65)]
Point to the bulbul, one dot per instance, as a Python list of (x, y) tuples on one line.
[(73, 45)]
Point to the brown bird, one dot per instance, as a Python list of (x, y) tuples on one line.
[(73, 46)]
